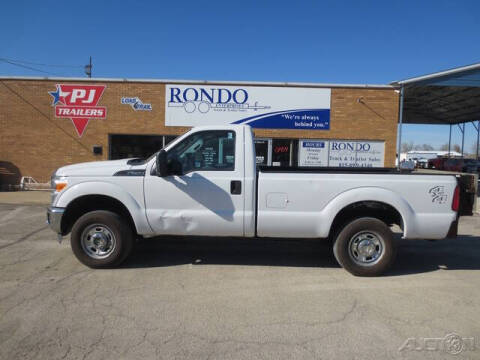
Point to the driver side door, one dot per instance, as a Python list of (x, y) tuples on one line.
[(203, 191)]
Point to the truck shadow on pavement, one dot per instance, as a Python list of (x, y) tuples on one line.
[(419, 256), (413, 257), (169, 251)]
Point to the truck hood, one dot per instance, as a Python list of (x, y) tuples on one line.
[(96, 168)]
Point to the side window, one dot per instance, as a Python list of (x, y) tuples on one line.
[(206, 150)]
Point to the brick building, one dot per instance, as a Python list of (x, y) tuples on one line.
[(46, 123)]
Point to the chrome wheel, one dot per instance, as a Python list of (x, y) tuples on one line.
[(98, 241), (366, 248)]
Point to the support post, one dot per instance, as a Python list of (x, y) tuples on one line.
[(449, 140), (463, 137), (400, 124), (478, 138)]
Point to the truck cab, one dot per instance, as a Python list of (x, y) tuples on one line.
[(207, 186)]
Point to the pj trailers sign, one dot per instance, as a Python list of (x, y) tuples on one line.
[(259, 107), (78, 103)]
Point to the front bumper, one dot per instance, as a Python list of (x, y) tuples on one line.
[(54, 218)]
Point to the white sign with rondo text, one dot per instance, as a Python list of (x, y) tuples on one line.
[(341, 153), (356, 153), (257, 106)]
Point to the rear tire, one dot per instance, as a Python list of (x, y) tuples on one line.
[(365, 247), (101, 239)]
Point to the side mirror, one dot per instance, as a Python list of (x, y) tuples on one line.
[(162, 169)]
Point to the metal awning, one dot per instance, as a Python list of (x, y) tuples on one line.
[(450, 97), (446, 97)]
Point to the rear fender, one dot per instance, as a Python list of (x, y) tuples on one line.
[(371, 194)]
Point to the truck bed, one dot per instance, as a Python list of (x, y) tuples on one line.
[(303, 202), (466, 182)]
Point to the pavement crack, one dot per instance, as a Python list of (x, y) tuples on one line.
[(25, 237)]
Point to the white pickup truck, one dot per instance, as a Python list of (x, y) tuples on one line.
[(206, 183)]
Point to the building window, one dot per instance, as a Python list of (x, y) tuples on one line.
[(276, 152), (136, 146), (167, 139), (281, 152), (263, 151)]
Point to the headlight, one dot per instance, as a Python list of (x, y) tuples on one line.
[(58, 183)]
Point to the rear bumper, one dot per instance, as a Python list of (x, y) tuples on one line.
[(54, 218)]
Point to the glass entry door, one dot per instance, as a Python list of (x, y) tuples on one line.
[(263, 151), (282, 152)]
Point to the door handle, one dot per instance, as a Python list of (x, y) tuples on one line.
[(235, 187)]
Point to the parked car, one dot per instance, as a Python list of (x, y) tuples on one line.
[(419, 162), (462, 165), (471, 166), (437, 163), (206, 183), (407, 165), (422, 163)]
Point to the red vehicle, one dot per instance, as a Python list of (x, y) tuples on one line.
[(437, 163)]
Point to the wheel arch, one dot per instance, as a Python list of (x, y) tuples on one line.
[(366, 208), (133, 203), (376, 202), (86, 203)]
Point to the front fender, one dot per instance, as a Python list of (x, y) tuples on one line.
[(378, 194), (115, 191)]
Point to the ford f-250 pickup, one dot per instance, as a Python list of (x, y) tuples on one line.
[(206, 183)]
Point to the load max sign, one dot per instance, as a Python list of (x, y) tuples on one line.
[(136, 104)]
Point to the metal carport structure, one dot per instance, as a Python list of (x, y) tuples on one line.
[(450, 97)]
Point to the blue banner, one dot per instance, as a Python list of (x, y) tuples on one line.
[(313, 144), (307, 119)]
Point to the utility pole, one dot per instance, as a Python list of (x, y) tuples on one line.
[(88, 68)]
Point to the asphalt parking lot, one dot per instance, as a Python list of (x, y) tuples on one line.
[(233, 299)]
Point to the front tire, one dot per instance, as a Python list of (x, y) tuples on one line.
[(365, 247), (101, 239)]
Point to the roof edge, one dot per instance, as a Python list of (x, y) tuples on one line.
[(200, 82), (436, 75)]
